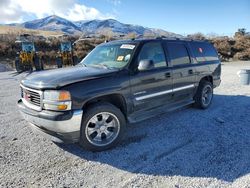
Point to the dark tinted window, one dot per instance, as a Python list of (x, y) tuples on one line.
[(178, 54), (204, 51), (153, 51)]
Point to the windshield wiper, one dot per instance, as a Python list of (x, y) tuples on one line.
[(103, 66), (82, 64)]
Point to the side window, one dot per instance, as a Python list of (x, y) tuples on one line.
[(153, 51), (178, 54), (204, 51)]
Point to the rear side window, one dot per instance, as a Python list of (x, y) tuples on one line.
[(178, 54), (204, 51)]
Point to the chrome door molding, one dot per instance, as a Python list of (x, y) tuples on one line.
[(164, 92)]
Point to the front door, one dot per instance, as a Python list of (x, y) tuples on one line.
[(152, 88)]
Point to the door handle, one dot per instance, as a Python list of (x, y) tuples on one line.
[(167, 75), (190, 71)]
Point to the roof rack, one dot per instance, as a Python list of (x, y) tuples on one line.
[(174, 38), (160, 37)]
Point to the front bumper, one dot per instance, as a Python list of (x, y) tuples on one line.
[(58, 126)]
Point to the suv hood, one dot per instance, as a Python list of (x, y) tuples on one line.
[(54, 79)]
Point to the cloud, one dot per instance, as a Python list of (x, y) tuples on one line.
[(17, 10), (82, 12), (10, 12)]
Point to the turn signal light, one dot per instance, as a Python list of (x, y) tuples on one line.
[(62, 107), (64, 96)]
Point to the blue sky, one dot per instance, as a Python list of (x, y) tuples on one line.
[(183, 16), (223, 17)]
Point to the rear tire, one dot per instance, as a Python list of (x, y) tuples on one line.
[(204, 95), (37, 64), (103, 126), (59, 63), (75, 60), (42, 66)]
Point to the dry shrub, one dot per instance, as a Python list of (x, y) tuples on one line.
[(197, 36), (237, 47), (245, 55), (223, 46)]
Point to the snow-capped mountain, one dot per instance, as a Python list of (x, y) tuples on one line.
[(52, 23), (111, 24), (56, 23)]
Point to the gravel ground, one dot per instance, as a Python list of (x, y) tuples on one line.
[(185, 148)]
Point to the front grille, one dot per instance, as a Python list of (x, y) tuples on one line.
[(31, 96)]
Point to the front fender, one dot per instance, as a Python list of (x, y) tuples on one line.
[(82, 92)]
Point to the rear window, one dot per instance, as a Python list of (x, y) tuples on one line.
[(204, 51), (178, 54)]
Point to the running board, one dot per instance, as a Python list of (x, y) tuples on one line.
[(143, 115)]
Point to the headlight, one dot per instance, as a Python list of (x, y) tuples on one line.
[(56, 100)]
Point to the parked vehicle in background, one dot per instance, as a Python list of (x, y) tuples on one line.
[(66, 55), (26, 58), (119, 82)]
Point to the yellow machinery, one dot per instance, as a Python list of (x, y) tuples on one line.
[(66, 56), (27, 58)]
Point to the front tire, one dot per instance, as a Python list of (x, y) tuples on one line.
[(103, 126), (204, 95), (18, 66)]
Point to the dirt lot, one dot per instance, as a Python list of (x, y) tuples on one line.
[(185, 148)]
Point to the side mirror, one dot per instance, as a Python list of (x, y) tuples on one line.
[(145, 64)]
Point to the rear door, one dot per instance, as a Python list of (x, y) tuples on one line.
[(207, 61), (183, 71), (152, 88)]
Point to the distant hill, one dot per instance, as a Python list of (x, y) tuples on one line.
[(17, 30), (92, 27)]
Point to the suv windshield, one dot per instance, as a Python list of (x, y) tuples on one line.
[(110, 56)]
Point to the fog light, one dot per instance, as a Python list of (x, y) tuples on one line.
[(57, 106)]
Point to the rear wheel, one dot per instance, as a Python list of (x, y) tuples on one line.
[(59, 62), (103, 126), (41, 65), (37, 64), (204, 95), (75, 60)]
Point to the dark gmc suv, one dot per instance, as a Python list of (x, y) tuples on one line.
[(119, 82)]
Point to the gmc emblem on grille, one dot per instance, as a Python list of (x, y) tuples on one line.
[(27, 96)]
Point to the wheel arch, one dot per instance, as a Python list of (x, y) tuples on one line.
[(116, 99), (208, 78)]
